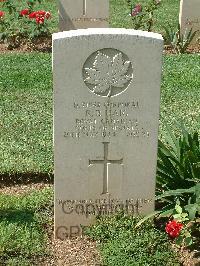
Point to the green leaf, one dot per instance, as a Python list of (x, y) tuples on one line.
[(178, 208), (192, 210), (188, 241), (184, 215), (187, 234), (166, 213), (177, 217), (197, 192), (175, 192), (179, 240), (147, 217)]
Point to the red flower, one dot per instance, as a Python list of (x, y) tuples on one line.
[(32, 15), (39, 20), (173, 228), (24, 12), (136, 10), (47, 15), (1, 14), (41, 13), (39, 16)]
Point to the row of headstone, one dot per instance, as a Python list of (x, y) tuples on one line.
[(189, 18), (82, 14)]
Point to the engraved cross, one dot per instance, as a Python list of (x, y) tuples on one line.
[(105, 163), (84, 7)]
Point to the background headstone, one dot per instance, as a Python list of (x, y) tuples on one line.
[(189, 17), (82, 14), (106, 114)]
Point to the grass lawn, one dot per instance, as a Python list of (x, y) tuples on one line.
[(26, 107), (26, 110), (22, 221), (180, 91)]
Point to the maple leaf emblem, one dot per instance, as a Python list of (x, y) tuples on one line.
[(108, 74)]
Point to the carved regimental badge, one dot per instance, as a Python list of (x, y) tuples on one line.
[(107, 72)]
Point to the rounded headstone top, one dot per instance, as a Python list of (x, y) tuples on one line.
[(106, 31)]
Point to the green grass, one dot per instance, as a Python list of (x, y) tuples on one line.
[(122, 244), (22, 221), (181, 91), (26, 113), (26, 107)]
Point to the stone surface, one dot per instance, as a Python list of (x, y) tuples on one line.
[(189, 17), (106, 114), (82, 14)]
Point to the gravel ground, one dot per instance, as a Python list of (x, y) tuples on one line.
[(74, 252)]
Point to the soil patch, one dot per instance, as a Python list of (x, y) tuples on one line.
[(45, 45), (187, 257), (73, 252), (193, 49), (23, 189), (40, 45)]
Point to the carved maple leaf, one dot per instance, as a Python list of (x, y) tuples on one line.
[(107, 73)]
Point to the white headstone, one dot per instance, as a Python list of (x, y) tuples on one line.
[(106, 114), (189, 17), (82, 14)]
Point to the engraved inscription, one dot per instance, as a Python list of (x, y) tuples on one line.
[(107, 72), (108, 119), (85, 19), (192, 22), (105, 163), (88, 207)]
